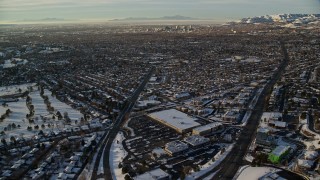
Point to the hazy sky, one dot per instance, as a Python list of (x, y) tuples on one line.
[(17, 10)]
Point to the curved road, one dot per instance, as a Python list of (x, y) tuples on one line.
[(105, 148)]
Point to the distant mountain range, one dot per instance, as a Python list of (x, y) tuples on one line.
[(284, 18), (45, 19), (176, 17)]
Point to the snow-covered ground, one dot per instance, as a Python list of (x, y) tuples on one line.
[(254, 173), (246, 117), (314, 143), (100, 168), (38, 103), (62, 107), (20, 110), (210, 165), (8, 90), (117, 154), (249, 158), (130, 129), (18, 117), (251, 105)]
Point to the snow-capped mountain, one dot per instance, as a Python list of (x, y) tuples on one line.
[(285, 18)]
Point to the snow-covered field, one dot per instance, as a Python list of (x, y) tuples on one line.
[(254, 173), (8, 90), (38, 103), (18, 117), (20, 110), (210, 165), (117, 153), (62, 107)]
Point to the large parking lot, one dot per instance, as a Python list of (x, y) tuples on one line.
[(150, 135)]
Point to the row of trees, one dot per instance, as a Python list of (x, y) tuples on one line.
[(30, 107), (12, 139), (11, 126), (5, 115), (36, 127)]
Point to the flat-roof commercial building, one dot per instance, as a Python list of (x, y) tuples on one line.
[(231, 116), (175, 119), (278, 153), (156, 174), (196, 140), (264, 138), (207, 129), (175, 147)]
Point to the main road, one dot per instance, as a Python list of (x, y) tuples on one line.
[(234, 160), (105, 148)]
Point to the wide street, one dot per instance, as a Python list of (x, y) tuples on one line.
[(105, 148), (230, 165)]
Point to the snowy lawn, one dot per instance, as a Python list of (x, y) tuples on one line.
[(8, 90), (62, 107), (20, 110)]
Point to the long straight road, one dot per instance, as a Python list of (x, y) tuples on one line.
[(105, 149), (234, 160)]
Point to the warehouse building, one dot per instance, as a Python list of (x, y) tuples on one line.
[(175, 147), (278, 153), (156, 174), (207, 129), (175, 119), (196, 140)]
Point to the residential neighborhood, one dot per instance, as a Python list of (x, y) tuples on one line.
[(102, 101)]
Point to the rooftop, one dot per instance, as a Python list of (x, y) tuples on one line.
[(279, 150), (175, 119), (263, 130), (153, 174), (196, 140), (176, 146), (207, 126)]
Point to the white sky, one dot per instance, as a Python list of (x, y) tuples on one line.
[(18, 10)]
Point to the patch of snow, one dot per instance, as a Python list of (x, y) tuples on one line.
[(210, 165), (117, 154), (248, 158), (62, 107), (9, 90), (130, 129)]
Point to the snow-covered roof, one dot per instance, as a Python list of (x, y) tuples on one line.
[(280, 124), (175, 119), (256, 173), (158, 151), (196, 140), (147, 102), (311, 154), (153, 174), (152, 79), (176, 146), (263, 130), (207, 126), (279, 150), (181, 95), (305, 163), (271, 115)]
